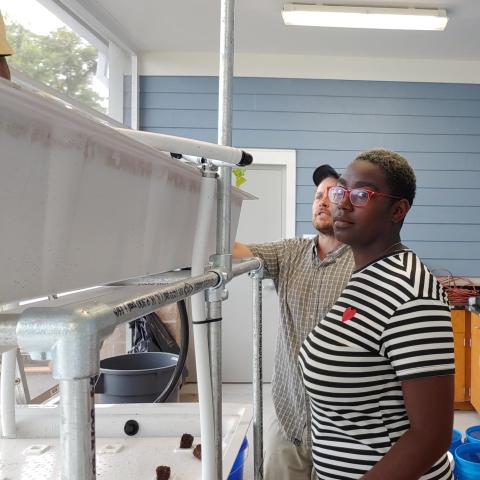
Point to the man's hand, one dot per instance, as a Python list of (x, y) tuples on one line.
[(240, 250)]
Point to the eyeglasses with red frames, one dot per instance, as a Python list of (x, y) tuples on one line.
[(359, 197)]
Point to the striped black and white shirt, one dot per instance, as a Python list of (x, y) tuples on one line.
[(307, 288), (390, 324)]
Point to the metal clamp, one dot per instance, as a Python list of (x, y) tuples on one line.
[(222, 266), (257, 274), (208, 169)]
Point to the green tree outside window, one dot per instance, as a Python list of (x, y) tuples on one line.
[(60, 60)]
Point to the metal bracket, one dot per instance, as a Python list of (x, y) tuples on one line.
[(222, 266), (258, 273), (223, 263), (208, 169)]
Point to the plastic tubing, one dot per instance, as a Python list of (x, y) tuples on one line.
[(182, 357), (206, 209), (7, 395), (188, 146)]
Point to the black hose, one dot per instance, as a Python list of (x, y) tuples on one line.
[(182, 357)]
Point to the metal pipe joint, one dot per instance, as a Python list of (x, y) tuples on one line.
[(222, 265), (257, 274), (70, 335)]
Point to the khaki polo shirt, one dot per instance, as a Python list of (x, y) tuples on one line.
[(307, 288)]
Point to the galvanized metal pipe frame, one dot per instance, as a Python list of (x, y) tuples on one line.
[(214, 315), (73, 335), (225, 79), (77, 429), (223, 257), (257, 277)]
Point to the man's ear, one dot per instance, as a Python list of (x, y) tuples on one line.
[(399, 210)]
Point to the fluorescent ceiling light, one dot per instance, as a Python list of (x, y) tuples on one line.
[(364, 17)]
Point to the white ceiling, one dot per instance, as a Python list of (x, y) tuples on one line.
[(193, 26)]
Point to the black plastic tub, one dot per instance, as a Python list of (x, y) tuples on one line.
[(136, 377)]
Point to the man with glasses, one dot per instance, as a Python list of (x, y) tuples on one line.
[(308, 275), (5, 50)]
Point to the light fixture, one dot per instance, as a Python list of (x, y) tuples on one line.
[(364, 17)]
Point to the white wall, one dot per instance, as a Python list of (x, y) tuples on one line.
[(312, 66)]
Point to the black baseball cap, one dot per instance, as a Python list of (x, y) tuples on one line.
[(322, 172)]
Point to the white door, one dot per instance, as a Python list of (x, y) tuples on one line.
[(267, 219)]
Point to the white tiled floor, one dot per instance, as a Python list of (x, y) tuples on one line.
[(242, 393)]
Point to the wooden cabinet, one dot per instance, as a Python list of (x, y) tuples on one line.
[(466, 332), (461, 325), (475, 361)]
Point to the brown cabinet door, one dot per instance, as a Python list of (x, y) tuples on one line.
[(475, 362), (458, 326)]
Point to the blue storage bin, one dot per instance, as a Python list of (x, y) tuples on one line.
[(456, 440), (467, 461), (236, 473), (472, 434)]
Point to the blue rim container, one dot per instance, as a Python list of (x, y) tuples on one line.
[(456, 440), (473, 434), (467, 461), (236, 473)]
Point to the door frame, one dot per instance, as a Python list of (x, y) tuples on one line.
[(288, 159)]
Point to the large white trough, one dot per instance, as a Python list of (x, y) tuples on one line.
[(34, 454), (83, 204)]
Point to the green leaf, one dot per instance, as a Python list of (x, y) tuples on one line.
[(239, 174)]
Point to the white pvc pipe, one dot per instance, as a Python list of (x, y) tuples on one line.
[(200, 331), (187, 146), (7, 393)]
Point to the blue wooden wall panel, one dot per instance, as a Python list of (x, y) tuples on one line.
[(423, 232), (418, 214), (436, 126), (314, 122), (316, 104), (469, 161), (304, 87), (334, 140), (425, 178), (434, 197)]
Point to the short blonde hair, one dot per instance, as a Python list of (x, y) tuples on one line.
[(5, 48)]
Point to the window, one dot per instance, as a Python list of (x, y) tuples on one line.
[(57, 51)]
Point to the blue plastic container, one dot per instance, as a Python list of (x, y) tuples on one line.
[(456, 440), (473, 434), (236, 473), (467, 461)]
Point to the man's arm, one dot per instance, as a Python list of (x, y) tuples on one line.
[(429, 404), (240, 250)]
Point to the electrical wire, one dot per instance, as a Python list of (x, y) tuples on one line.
[(182, 310), (458, 289)]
